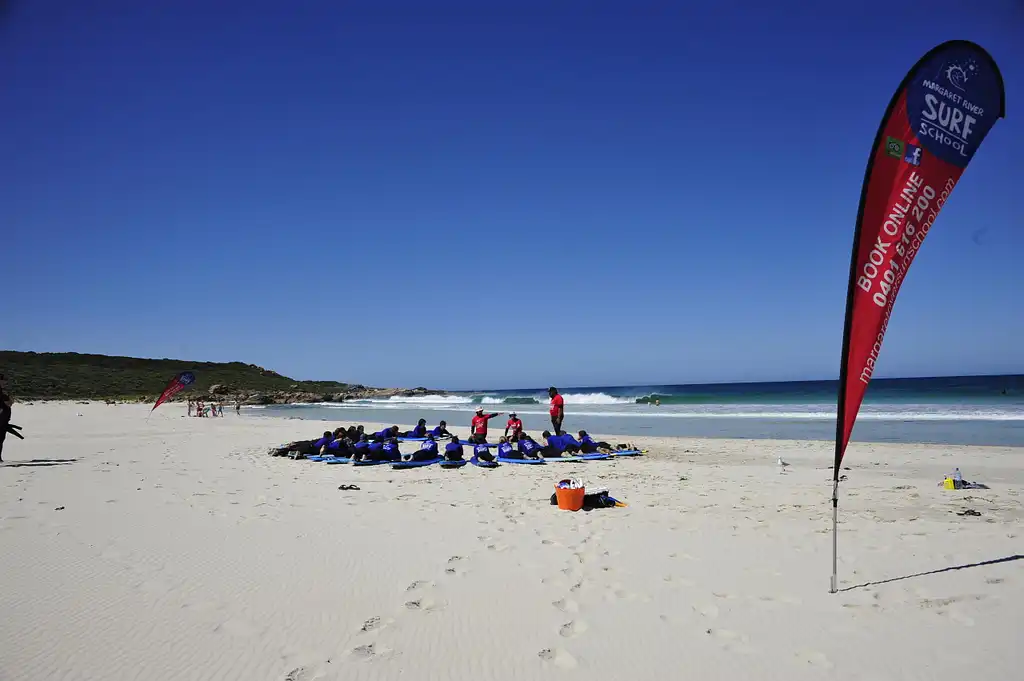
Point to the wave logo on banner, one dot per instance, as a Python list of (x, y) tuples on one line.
[(177, 384), (936, 120)]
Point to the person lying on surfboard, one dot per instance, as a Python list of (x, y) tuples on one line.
[(391, 450), (453, 450), (419, 431), (505, 450), (528, 447), (425, 453), (590, 446), (361, 449), (440, 430)]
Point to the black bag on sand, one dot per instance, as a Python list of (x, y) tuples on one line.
[(591, 501)]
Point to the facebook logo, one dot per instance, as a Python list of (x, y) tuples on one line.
[(912, 155)]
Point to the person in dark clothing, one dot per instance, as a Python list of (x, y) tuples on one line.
[(361, 449), (483, 452), (354, 433), (425, 453), (387, 433), (453, 450), (555, 446), (441, 430), (6, 408), (375, 452), (303, 448), (419, 431), (506, 451), (570, 444), (528, 447), (590, 446), (391, 450)]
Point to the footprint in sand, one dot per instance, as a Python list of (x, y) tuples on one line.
[(368, 652), (573, 628), (558, 657), (372, 624), (419, 583), (814, 659)]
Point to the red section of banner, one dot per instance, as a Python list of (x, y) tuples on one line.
[(900, 206)]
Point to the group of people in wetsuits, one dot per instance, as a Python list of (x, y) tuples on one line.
[(354, 443)]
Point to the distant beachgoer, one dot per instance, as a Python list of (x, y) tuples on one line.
[(441, 430), (453, 450), (515, 425), (238, 408), (657, 401), (557, 408), (220, 410), (190, 406), (478, 427), (419, 431), (6, 409), (426, 452)]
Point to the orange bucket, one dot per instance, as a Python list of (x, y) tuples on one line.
[(570, 499)]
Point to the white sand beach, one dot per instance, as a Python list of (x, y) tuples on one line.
[(175, 549)]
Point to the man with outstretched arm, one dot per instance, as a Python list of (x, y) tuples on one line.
[(478, 427)]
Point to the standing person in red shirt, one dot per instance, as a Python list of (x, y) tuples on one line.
[(479, 426), (557, 409), (515, 425)]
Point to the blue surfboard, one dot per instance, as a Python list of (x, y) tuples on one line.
[(366, 462), (483, 464), (411, 439), (525, 461), (453, 464), (399, 465), (582, 457), (627, 452), (337, 459)]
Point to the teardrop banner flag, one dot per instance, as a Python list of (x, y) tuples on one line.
[(935, 122), (177, 384)]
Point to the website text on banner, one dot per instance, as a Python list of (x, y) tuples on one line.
[(935, 122)]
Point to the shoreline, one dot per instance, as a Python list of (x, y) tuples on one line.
[(174, 547)]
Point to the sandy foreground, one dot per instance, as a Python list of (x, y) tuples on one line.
[(174, 548)]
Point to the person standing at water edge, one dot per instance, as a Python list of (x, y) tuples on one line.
[(478, 427), (557, 409)]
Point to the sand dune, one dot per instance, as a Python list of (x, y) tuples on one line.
[(174, 548)]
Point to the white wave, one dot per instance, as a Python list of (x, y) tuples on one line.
[(596, 398), (420, 399), (493, 400)]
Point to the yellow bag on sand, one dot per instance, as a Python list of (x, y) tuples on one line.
[(948, 484)]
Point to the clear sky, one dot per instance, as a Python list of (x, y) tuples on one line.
[(487, 194)]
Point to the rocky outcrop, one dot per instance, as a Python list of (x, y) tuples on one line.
[(226, 395)]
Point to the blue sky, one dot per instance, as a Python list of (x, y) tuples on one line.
[(622, 192)]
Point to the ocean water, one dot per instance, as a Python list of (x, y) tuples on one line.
[(980, 410)]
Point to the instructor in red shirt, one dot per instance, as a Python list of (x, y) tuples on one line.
[(479, 425), (515, 425), (557, 409)]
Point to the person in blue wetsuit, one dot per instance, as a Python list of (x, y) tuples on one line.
[(419, 431), (528, 447), (589, 445), (453, 450), (391, 450), (376, 450), (571, 444), (506, 451), (483, 452), (555, 446), (441, 430), (327, 438), (425, 453), (341, 447), (387, 433), (361, 449)]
